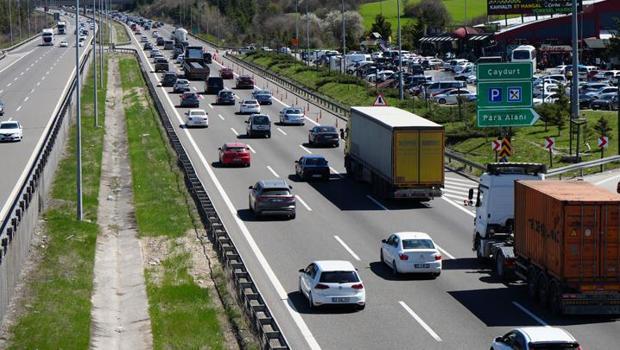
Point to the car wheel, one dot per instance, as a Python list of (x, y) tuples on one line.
[(381, 256), (292, 216), (394, 269), (361, 307), (269, 135), (311, 305), (442, 101)]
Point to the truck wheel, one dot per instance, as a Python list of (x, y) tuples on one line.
[(478, 248), (532, 286), (499, 266), (543, 289), (554, 298)]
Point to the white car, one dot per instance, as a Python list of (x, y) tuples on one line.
[(292, 115), (332, 282), (64, 43), (528, 338), (155, 34), (450, 97), (197, 117), (472, 79), (411, 252), (249, 106), (549, 98), (180, 58), (11, 130), (143, 39)]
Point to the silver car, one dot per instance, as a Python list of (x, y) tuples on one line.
[(292, 116), (182, 85), (272, 197)]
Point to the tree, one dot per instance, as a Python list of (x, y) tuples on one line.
[(431, 13), (613, 50), (353, 26), (411, 34), (602, 126), (382, 27)]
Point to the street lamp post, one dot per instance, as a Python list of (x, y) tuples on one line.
[(400, 56), (574, 92), (297, 26), (618, 105), (78, 134), (344, 42), (95, 68)]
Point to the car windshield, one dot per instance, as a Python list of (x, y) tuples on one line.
[(339, 277), (418, 244), (325, 129), (8, 126), (250, 102), (261, 120), (316, 161), (561, 346), (294, 111), (276, 192)]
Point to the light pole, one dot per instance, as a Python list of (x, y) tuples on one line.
[(10, 23), (344, 41), (574, 91), (95, 68), (78, 134), (618, 103), (400, 56), (101, 25), (297, 26), (307, 34)]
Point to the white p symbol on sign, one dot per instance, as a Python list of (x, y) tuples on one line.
[(495, 95)]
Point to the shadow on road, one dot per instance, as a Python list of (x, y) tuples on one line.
[(300, 303), (385, 272)]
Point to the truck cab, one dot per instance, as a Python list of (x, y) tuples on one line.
[(494, 202)]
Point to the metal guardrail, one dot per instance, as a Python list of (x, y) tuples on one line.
[(453, 156), (253, 303), (581, 166)]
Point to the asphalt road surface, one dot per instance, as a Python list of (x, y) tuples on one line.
[(465, 308)]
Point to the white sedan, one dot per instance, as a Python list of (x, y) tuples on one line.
[(198, 118), (411, 252), (332, 282), (528, 338), (11, 131), (250, 106), (292, 115), (450, 97), (64, 43)]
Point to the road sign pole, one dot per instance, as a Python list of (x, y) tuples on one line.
[(574, 90), (602, 156), (550, 157)]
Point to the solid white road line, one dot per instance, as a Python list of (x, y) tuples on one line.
[(461, 208), (282, 294), (531, 314), (281, 131), (377, 202), (38, 83), (347, 248), (17, 60), (219, 115), (234, 131), (273, 171), (210, 106), (449, 190), (305, 149), (445, 252), (456, 197), (334, 171), (251, 149), (303, 202), (420, 320)]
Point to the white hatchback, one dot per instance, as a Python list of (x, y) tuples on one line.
[(197, 117), (411, 252), (332, 282), (250, 106)]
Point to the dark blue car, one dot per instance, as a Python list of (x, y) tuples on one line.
[(312, 167), (262, 96)]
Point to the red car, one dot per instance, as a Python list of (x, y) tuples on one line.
[(226, 73), (245, 82), (235, 153)]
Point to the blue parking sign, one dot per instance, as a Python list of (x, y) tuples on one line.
[(495, 95), (515, 94)]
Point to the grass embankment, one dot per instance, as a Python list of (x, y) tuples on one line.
[(183, 315), (56, 307), (210, 38), (456, 8), (121, 33), (462, 134)]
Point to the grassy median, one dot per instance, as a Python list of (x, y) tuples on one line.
[(56, 306), (183, 314)]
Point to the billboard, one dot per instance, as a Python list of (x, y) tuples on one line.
[(530, 7)]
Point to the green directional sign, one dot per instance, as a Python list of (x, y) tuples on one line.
[(504, 71), (509, 117), (505, 94)]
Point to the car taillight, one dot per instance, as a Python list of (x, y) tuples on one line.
[(261, 198), (321, 286), (358, 286), (437, 256), (403, 256)]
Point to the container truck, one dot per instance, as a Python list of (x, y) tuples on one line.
[(61, 26), (563, 241), (194, 64), (180, 35), (399, 153)]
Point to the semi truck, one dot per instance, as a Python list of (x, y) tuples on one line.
[(61, 26), (562, 238), (47, 37), (194, 65), (179, 36), (399, 153)]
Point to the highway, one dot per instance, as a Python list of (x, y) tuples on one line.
[(33, 79), (465, 308)]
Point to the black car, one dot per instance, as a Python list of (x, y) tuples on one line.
[(585, 101), (312, 166), (605, 101), (190, 99), (225, 97), (323, 135), (169, 79), (214, 85), (148, 46), (177, 51), (161, 64), (160, 41), (1, 108)]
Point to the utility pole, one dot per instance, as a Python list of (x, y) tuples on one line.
[(10, 23), (344, 42), (401, 94), (101, 25), (297, 26), (574, 91), (78, 134), (308, 35), (618, 105), (95, 67)]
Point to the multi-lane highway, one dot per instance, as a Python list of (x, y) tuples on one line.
[(33, 79), (465, 308)]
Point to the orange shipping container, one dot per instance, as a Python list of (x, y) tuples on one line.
[(571, 230)]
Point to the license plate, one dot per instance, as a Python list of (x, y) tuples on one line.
[(421, 266), (276, 200), (340, 300), (317, 175)]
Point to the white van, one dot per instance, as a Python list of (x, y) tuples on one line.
[(524, 53)]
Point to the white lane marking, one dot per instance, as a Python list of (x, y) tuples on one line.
[(219, 115), (456, 187), (32, 91), (237, 97), (303, 202), (334, 171), (312, 121), (193, 87), (1, 91), (273, 171), (9, 84), (281, 131), (420, 321), (22, 73), (347, 248), (451, 191), (26, 99), (305, 149), (47, 73), (18, 108), (43, 78), (282, 294), (17, 60), (210, 106), (377, 202), (456, 197), (445, 252), (531, 314), (251, 149), (461, 208), (463, 181), (234, 131), (15, 78), (607, 180)]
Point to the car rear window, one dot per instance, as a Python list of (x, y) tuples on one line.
[(261, 120), (326, 129), (316, 161), (226, 94), (339, 277), (293, 111), (235, 149), (276, 192), (562, 346), (418, 244)]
